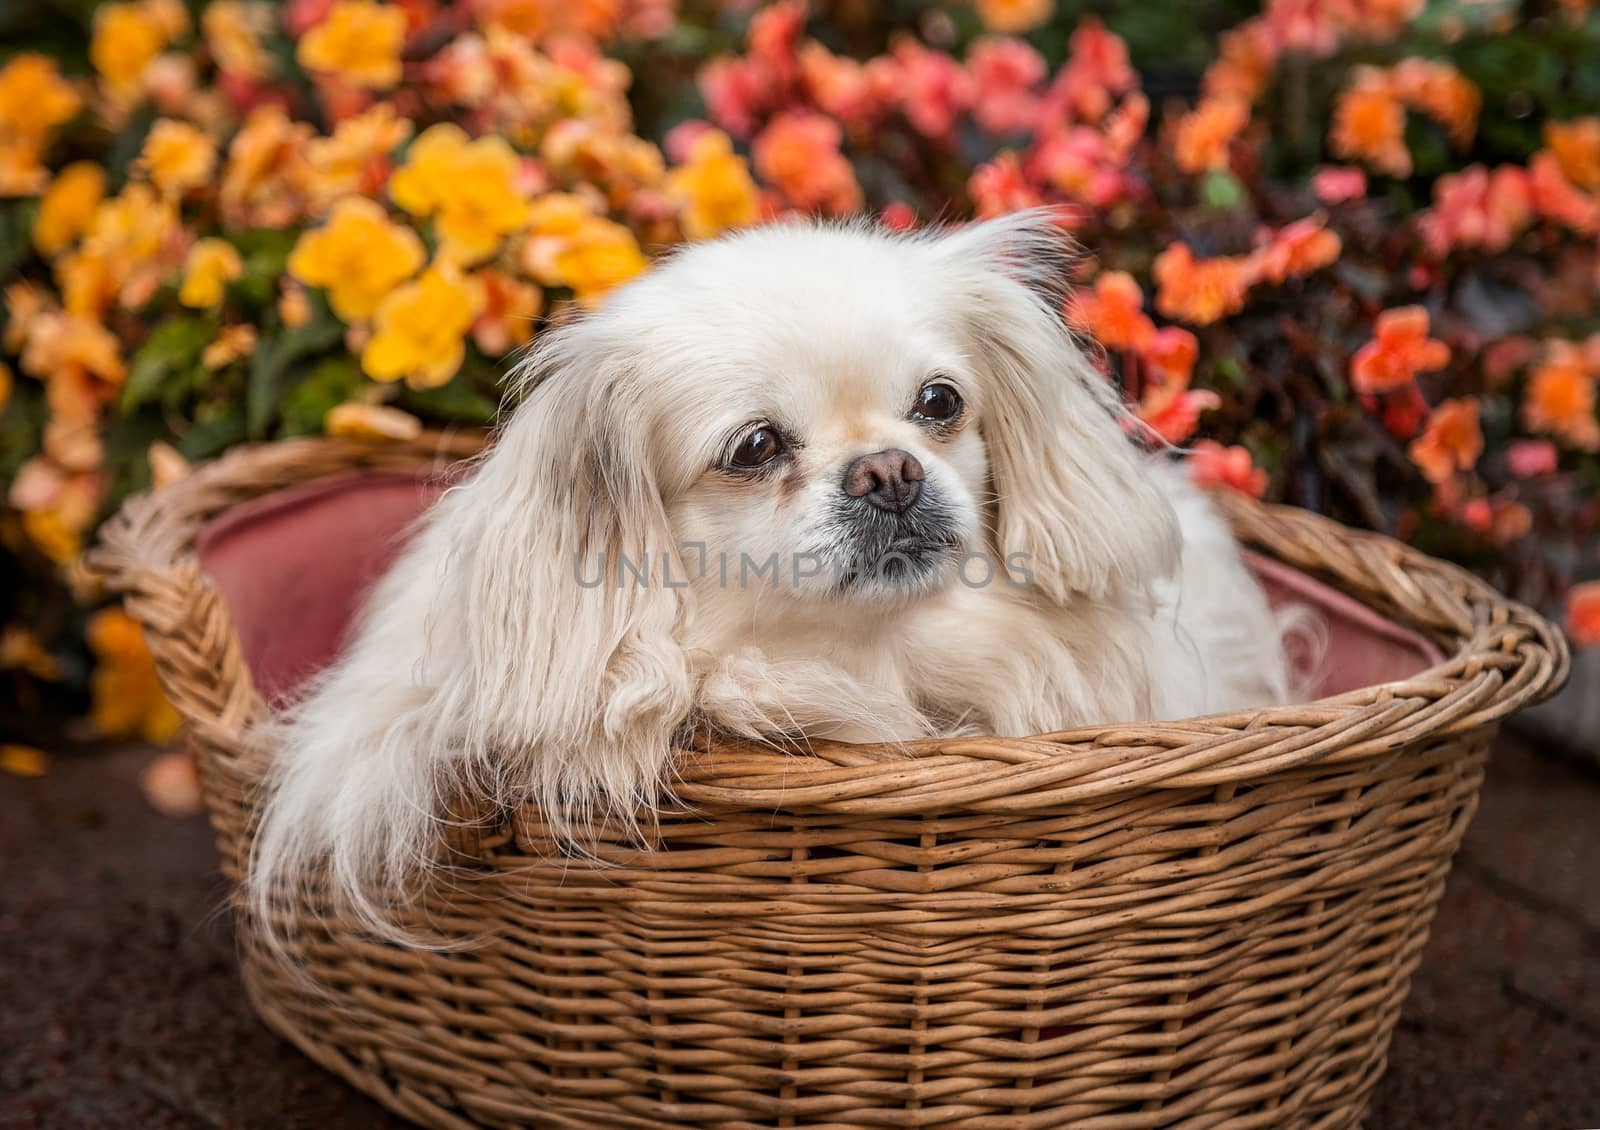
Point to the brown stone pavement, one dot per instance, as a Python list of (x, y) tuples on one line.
[(120, 1003)]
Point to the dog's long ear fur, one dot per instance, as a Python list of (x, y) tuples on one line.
[(489, 663), (1072, 491)]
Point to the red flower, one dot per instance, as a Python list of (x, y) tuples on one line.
[(1401, 350), (1583, 614), (1211, 464)]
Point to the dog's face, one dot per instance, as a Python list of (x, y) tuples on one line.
[(837, 417), (849, 468)]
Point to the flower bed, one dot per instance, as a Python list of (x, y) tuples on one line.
[(1353, 242)]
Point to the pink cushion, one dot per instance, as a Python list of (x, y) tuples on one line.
[(294, 567)]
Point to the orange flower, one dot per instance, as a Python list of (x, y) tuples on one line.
[(267, 178), (1558, 199), (1560, 399), (1298, 249), (1212, 465), (1369, 124), (509, 309), (1014, 16), (1440, 91), (1113, 312), (69, 207), (1400, 350), (1452, 442), (1200, 290), (1244, 64), (1576, 145), (798, 153), (1205, 135), (1583, 614), (125, 693)]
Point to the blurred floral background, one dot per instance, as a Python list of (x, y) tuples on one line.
[(1343, 253)]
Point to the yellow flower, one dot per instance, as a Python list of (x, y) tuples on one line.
[(232, 343), (127, 38), (371, 421), (233, 31), (599, 256), (68, 207), (212, 264), (267, 178), (34, 98), (355, 160), (714, 188), (360, 42), (421, 329), (471, 185), (177, 157), (358, 256), (126, 696)]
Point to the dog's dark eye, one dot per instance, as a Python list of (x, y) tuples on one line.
[(757, 449), (938, 402)]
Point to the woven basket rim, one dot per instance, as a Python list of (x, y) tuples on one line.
[(1499, 657)]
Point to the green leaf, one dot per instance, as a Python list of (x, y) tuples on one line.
[(16, 234), (211, 436), (456, 402), (267, 367), (1221, 189), (172, 349), (307, 400)]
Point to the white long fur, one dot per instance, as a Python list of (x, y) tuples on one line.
[(482, 666)]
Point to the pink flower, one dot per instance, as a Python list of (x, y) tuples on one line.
[(736, 91), (899, 216), (1078, 163), (1477, 208), (934, 89), (1097, 69), (1211, 464), (1005, 74), (999, 188), (682, 138), (1530, 458), (1339, 184)]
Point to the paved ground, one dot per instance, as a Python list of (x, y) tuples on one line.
[(120, 1004)]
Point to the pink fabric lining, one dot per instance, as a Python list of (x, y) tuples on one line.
[(295, 566)]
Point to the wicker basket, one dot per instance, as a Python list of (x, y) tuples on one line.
[(1200, 923)]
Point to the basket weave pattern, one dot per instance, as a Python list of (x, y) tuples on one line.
[(1199, 923)]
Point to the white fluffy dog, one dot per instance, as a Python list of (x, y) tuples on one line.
[(802, 483)]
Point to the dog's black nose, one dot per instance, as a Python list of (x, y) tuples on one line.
[(890, 480)]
